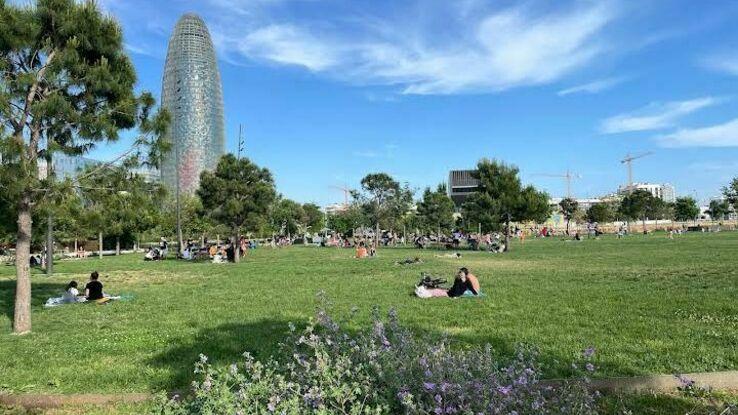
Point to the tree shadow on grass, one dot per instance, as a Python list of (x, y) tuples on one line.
[(223, 345), (40, 292)]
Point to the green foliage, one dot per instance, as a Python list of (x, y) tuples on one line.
[(685, 208), (287, 217), (66, 81), (601, 212), (345, 221), (118, 201), (501, 197), (569, 207), (731, 193), (718, 209), (237, 194), (436, 210), (383, 200), (637, 204), (658, 209), (314, 217)]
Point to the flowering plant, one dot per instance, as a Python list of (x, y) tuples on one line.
[(384, 369)]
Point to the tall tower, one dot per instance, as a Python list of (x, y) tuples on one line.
[(193, 95)]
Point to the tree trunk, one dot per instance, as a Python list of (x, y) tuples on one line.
[(237, 248), (76, 247), (50, 245), (507, 234), (567, 226), (117, 245), (22, 314), (100, 242), (644, 225), (376, 237)]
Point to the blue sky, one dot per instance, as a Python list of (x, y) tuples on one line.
[(329, 90)]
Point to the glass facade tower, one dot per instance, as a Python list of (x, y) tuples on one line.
[(192, 93)]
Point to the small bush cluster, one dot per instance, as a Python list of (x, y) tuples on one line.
[(384, 369)]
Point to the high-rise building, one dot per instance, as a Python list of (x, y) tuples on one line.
[(192, 93), (461, 184), (665, 192)]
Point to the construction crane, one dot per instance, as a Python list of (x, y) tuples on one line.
[(568, 176), (346, 191), (628, 161)]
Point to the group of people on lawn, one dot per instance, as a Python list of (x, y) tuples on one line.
[(93, 290), (217, 253)]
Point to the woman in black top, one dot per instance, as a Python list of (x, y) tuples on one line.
[(461, 285), (94, 288)]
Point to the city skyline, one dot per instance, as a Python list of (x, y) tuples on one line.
[(375, 87)]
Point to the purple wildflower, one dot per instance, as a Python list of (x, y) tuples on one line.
[(589, 352)]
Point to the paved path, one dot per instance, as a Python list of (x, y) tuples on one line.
[(656, 383)]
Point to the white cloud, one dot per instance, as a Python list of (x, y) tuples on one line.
[(721, 135), (490, 52), (140, 50), (655, 116), (724, 62), (593, 87), (288, 44)]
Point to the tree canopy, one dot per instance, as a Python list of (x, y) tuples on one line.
[(718, 209), (502, 197), (238, 194), (569, 207), (436, 210), (65, 82), (731, 193), (601, 212), (383, 200), (685, 208)]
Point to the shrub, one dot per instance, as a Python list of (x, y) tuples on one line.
[(385, 369)]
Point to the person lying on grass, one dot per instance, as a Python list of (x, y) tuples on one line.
[(465, 283), (409, 261), (454, 255)]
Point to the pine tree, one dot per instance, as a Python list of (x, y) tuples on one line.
[(502, 199), (237, 193), (66, 84)]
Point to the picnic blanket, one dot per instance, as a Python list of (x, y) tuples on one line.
[(60, 301)]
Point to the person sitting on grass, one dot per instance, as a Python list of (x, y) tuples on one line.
[(94, 288), (465, 283), (152, 255), (361, 251), (71, 293)]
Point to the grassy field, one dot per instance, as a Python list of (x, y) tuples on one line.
[(648, 304)]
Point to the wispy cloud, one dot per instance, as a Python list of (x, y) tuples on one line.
[(722, 62), (656, 116), (387, 151), (593, 87), (140, 50), (288, 44), (494, 51), (721, 135)]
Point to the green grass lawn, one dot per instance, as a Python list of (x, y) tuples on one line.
[(648, 304)]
